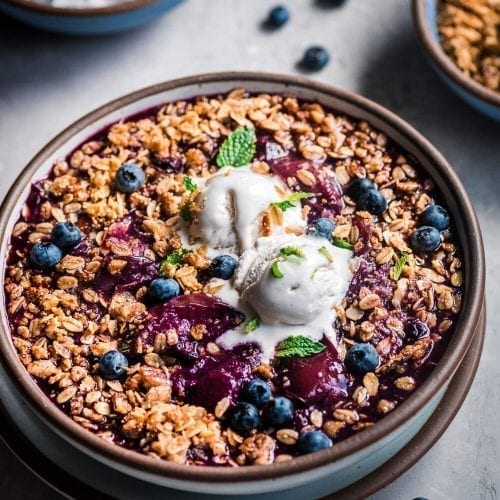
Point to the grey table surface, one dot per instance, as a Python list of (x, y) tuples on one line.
[(48, 81)]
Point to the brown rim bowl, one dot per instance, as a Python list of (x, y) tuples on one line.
[(103, 20), (466, 227), (74, 11)]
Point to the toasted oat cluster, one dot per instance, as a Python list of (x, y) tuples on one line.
[(143, 367), (470, 35)]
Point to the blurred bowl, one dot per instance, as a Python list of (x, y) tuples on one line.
[(87, 21), (473, 93)]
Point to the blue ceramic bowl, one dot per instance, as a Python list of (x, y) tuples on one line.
[(476, 95), (92, 21)]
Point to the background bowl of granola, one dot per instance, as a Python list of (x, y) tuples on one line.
[(82, 17), (461, 39), (349, 459)]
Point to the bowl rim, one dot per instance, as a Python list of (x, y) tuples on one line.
[(118, 8), (459, 344), (420, 9)]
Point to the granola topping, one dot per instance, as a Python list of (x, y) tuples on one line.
[(470, 35)]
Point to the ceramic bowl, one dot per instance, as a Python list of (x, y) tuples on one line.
[(322, 472), (473, 93), (92, 21)]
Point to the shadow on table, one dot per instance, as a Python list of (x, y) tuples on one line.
[(401, 79)]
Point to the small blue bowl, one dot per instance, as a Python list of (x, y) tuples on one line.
[(473, 93), (91, 21)]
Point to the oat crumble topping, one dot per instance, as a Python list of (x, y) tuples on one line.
[(470, 35)]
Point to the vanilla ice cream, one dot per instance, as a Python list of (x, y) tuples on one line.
[(231, 209), (292, 285)]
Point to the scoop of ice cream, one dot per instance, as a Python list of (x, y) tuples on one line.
[(292, 282), (231, 209)]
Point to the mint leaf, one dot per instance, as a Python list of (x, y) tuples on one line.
[(338, 242), (275, 270), (298, 346), (299, 195), (238, 149), (324, 251), (397, 269), (174, 258), (185, 212), (189, 184), (291, 200), (252, 325), (288, 251)]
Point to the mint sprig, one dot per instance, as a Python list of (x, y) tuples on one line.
[(185, 211), (174, 258), (291, 200), (339, 242), (275, 270), (189, 184), (324, 251), (298, 346), (252, 325), (289, 251), (397, 269), (238, 149)]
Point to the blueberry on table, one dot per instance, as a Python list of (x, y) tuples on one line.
[(278, 16), (323, 228), (45, 255), (372, 201), (358, 187), (162, 289), (435, 216), (66, 235), (311, 441), (223, 267), (129, 178), (315, 58), (244, 417), (425, 239), (362, 358), (257, 392), (279, 411), (113, 365)]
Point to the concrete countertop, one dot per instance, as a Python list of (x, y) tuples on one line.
[(48, 81)]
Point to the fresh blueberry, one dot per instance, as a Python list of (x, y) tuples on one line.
[(244, 417), (162, 289), (372, 201), (278, 16), (45, 255), (323, 228), (425, 239), (129, 178), (359, 186), (223, 267), (311, 441), (257, 392), (113, 365), (416, 329), (66, 235), (435, 216), (315, 58), (279, 411), (362, 358)]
